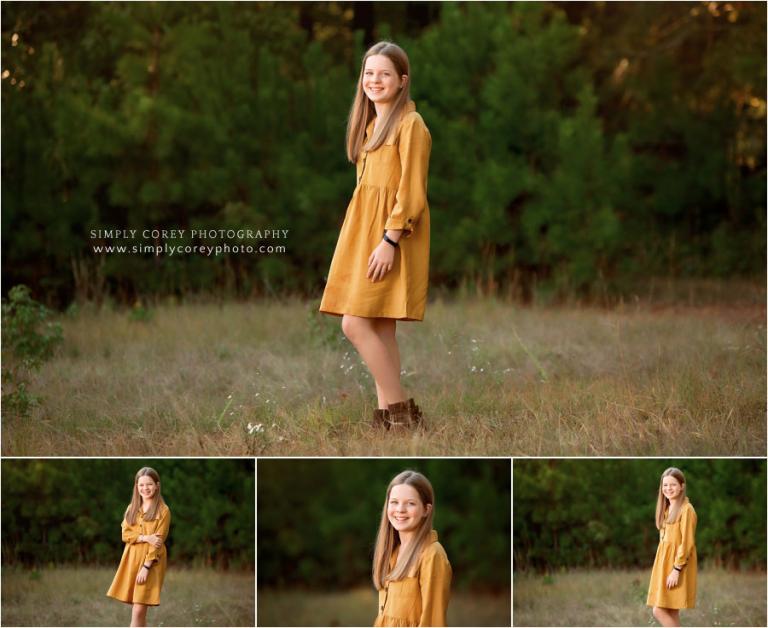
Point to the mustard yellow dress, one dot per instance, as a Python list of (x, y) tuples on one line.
[(677, 548), (391, 193), (421, 600), (135, 554)]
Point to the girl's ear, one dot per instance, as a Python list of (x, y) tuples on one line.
[(428, 509)]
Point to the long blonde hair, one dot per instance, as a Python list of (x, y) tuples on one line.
[(388, 539), (158, 503), (663, 511), (363, 110)]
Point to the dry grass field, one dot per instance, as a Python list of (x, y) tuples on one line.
[(75, 596), (358, 608), (493, 378), (617, 598)]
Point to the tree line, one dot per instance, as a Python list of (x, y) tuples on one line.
[(69, 511), (577, 147), (601, 513), (318, 519)]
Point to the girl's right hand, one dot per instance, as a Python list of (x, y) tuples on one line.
[(141, 577), (380, 261), (153, 539)]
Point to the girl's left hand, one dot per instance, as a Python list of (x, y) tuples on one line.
[(142, 577), (381, 260), (672, 579)]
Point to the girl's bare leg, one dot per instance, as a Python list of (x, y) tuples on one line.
[(376, 354), (386, 329), (139, 615), (667, 616)]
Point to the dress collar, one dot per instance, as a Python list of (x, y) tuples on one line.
[(410, 106), (686, 501), (396, 552)]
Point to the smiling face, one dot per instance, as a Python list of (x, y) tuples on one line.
[(671, 487), (405, 510), (381, 82), (147, 487)]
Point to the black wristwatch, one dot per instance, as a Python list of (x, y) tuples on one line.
[(677, 568), (389, 240)]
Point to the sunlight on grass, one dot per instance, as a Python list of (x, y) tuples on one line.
[(358, 608), (617, 598), (492, 378), (76, 596)]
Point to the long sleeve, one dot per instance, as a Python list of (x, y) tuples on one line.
[(131, 533), (435, 584), (687, 536), (414, 147), (161, 529)]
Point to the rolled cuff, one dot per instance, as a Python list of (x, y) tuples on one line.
[(400, 223)]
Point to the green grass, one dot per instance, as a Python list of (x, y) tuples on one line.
[(617, 598), (358, 608), (493, 379), (76, 596)]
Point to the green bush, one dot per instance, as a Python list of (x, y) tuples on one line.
[(29, 339)]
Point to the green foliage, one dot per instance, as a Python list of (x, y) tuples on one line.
[(575, 147), (322, 330), (62, 511), (600, 513), (27, 333), (523, 169), (140, 313), (318, 519), (29, 339)]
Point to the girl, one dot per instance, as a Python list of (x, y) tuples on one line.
[(410, 568), (379, 272), (140, 575), (673, 580)]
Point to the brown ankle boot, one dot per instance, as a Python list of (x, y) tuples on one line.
[(405, 414), (381, 418)]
